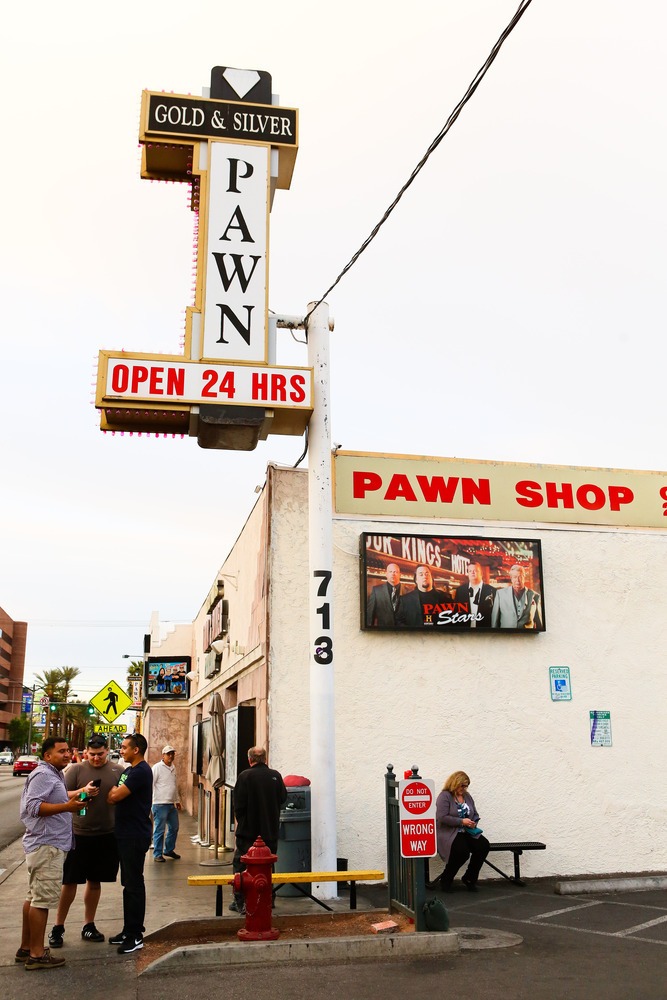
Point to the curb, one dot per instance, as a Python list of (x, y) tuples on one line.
[(638, 883), (201, 956)]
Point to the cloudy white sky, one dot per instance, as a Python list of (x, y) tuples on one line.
[(512, 308)]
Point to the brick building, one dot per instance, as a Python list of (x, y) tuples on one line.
[(12, 660)]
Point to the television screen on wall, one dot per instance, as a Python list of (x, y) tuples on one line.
[(166, 677), (451, 584)]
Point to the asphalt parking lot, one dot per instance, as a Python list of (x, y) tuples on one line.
[(638, 916)]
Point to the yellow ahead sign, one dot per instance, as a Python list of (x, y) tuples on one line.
[(110, 729), (111, 701)]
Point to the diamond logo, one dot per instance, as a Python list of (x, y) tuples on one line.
[(241, 80)]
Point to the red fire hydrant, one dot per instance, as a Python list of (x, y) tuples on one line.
[(254, 884)]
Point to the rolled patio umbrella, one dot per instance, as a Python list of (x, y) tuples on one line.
[(215, 772)]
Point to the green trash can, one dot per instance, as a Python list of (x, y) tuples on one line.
[(294, 838)]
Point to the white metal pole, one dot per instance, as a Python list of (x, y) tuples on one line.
[(320, 511)]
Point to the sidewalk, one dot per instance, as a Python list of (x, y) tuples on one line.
[(629, 922), (168, 899)]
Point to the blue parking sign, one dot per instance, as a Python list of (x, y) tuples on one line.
[(559, 679)]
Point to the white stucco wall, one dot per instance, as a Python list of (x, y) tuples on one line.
[(243, 575), (482, 702)]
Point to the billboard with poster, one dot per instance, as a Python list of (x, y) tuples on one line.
[(166, 677), (480, 585)]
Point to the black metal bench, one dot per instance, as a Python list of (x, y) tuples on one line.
[(516, 847)]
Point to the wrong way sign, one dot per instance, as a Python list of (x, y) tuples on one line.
[(416, 798)]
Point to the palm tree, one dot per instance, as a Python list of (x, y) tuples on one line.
[(67, 675), (70, 715), (77, 724), (57, 686), (50, 683)]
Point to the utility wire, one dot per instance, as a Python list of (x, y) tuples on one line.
[(479, 76), (94, 623)]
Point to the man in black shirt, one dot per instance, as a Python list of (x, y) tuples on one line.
[(133, 797), (258, 795), (421, 607)]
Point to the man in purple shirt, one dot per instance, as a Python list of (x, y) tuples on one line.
[(46, 812)]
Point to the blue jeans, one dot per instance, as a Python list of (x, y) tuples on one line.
[(165, 815)]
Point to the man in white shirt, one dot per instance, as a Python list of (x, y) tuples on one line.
[(166, 807)]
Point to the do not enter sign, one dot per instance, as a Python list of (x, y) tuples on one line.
[(417, 818), (416, 798)]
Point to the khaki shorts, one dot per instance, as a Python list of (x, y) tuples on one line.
[(45, 876)]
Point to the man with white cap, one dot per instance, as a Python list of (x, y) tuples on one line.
[(166, 806)]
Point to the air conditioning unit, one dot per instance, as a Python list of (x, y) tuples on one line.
[(212, 664)]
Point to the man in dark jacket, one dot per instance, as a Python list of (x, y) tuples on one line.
[(476, 597), (259, 793)]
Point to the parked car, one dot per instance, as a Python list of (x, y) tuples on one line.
[(114, 755), (24, 765), (6, 757)]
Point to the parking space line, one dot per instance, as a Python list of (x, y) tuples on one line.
[(589, 930), (486, 899), (566, 909), (641, 927), (562, 927), (644, 906)]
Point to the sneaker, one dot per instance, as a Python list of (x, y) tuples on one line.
[(56, 936), (160, 859), (172, 854), (22, 955), (91, 933), (470, 884), (118, 938), (131, 944), (45, 961)]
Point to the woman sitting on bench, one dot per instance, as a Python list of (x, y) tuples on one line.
[(459, 837)]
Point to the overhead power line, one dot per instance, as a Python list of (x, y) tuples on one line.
[(477, 79), (91, 623)]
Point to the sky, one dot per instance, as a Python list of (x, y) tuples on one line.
[(512, 308)]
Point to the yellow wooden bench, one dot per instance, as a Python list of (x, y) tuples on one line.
[(297, 879)]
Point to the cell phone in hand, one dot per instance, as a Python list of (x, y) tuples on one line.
[(97, 782)]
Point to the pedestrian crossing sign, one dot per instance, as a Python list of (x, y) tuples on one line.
[(111, 701)]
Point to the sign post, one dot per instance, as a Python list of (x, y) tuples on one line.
[(234, 146), (320, 542), (416, 799)]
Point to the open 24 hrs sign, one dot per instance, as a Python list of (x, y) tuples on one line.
[(416, 817)]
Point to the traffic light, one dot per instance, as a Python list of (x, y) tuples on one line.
[(53, 706), (90, 710)]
